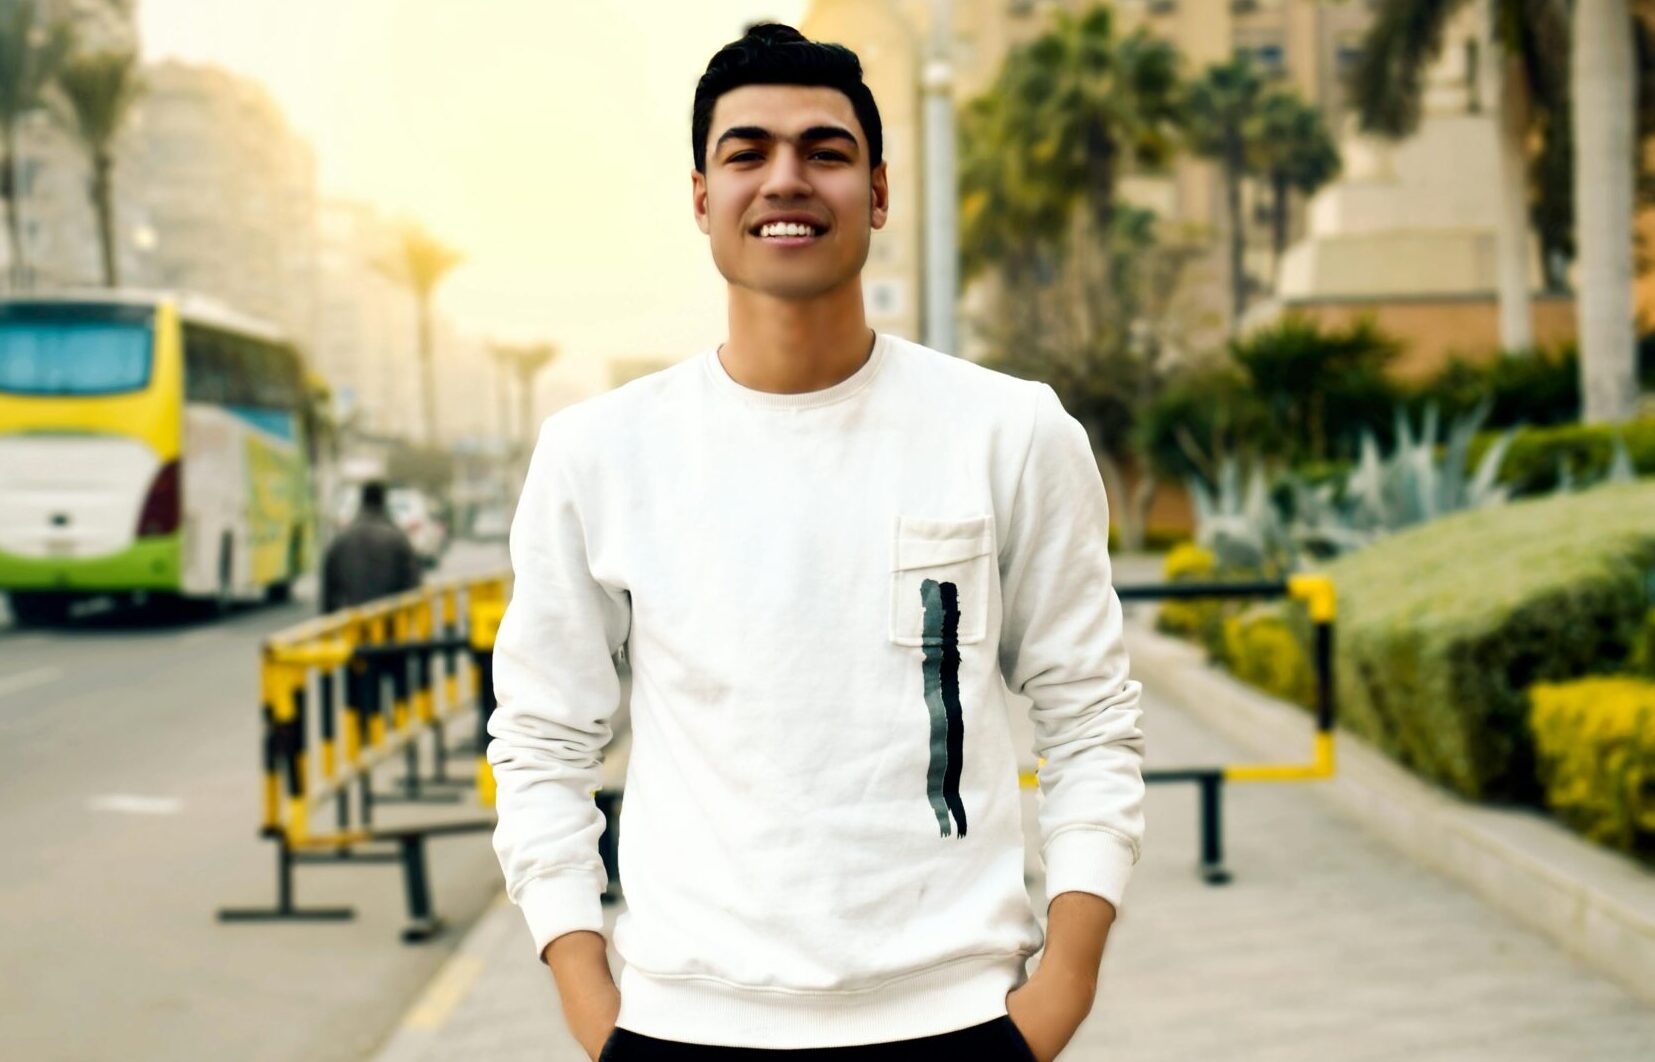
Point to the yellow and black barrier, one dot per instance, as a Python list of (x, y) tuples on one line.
[(371, 673), (1317, 594)]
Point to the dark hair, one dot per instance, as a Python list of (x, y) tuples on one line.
[(774, 54), (373, 494)]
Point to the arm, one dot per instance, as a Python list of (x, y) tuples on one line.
[(555, 677), (1062, 647)]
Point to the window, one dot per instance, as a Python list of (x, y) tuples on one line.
[(74, 350)]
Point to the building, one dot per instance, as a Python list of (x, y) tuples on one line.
[(227, 194), (884, 40), (1407, 233)]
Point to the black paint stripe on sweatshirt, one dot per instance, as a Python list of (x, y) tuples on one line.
[(942, 694)]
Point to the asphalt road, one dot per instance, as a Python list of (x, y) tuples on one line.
[(129, 807)]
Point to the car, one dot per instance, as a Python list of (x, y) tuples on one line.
[(413, 511)]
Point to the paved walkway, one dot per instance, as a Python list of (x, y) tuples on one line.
[(1327, 946)]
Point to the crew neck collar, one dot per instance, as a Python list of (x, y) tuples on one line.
[(845, 388)]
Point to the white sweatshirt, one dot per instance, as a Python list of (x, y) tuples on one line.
[(822, 597)]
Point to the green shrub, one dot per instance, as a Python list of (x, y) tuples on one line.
[(1442, 629), (1595, 748), (1531, 465), (1264, 646), (1539, 386)]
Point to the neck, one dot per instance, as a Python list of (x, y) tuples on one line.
[(791, 346)]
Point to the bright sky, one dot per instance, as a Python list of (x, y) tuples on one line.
[(547, 140)]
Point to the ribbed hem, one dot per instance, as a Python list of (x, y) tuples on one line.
[(697, 1010), (850, 385), (559, 904), (1094, 861)]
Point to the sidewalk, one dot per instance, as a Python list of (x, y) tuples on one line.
[(1328, 945)]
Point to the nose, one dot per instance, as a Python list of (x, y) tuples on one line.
[(786, 177)]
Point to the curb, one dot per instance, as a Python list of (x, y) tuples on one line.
[(1596, 904), (421, 1025)]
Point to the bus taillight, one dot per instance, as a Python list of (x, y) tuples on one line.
[(164, 504)]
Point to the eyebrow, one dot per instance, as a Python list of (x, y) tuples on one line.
[(757, 132)]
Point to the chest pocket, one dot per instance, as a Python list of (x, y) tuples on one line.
[(960, 552)]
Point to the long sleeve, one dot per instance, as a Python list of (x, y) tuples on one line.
[(555, 676), (1062, 647)]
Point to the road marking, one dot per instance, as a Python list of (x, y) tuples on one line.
[(136, 805), (445, 993), (28, 680)]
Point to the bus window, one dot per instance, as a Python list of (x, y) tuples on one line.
[(73, 358), (206, 371)]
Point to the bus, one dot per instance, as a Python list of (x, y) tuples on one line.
[(151, 446)]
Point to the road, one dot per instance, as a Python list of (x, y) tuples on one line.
[(129, 806)]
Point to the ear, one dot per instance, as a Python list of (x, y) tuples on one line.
[(879, 193), (698, 196)]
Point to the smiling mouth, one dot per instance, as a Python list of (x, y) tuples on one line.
[(789, 234)]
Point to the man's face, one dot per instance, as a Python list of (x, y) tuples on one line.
[(788, 151)]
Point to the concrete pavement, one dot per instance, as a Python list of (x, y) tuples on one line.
[(1328, 945)]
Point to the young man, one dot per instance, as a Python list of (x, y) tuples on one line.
[(826, 550)]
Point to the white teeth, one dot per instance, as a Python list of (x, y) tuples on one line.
[(786, 228)]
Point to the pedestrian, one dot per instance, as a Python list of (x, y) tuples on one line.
[(370, 559), (827, 551)]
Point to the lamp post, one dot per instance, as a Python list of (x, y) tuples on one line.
[(941, 193)]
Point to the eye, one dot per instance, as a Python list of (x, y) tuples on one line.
[(741, 156), (830, 154)]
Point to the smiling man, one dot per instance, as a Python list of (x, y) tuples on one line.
[(827, 553)]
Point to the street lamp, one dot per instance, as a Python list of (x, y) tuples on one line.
[(941, 195)]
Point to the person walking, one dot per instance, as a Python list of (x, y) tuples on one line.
[(827, 551), (370, 559)]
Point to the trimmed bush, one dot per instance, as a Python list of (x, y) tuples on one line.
[(1187, 563), (1265, 647), (1531, 465), (1595, 746), (1442, 629)]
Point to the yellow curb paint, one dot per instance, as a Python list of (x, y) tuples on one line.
[(443, 994)]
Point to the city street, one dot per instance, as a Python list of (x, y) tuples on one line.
[(129, 808)]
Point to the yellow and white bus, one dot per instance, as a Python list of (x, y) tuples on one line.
[(150, 444)]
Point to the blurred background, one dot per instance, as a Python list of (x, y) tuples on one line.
[(1357, 288)]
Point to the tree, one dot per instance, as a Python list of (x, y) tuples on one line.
[(1527, 41), (1082, 277), (1290, 148), (1602, 62), (526, 360), (30, 53), (1220, 110), (420, 263), (99, 90)]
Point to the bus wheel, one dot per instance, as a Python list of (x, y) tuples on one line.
[(38, 608)]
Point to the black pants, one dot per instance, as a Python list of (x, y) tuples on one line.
[(992, 1041)]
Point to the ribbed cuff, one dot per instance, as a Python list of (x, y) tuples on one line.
[(1094, 861), (559, 904)]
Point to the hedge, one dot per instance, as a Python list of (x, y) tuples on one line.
[(1595, 742), (1531, 465), (1443, 628)]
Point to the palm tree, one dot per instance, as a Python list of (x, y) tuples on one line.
[(1291, 149), (420, 263), (1220, 111), (1601, 62), (1085, 105), (1526, 40), (100, 90), (29, 55)]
